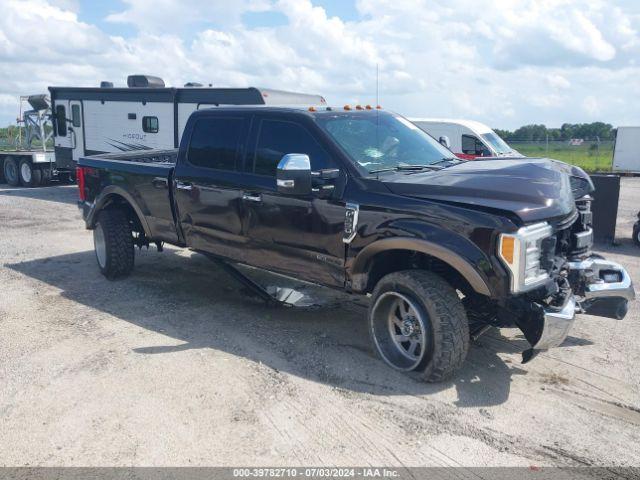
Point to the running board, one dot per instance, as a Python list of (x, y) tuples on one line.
[(274, 296)]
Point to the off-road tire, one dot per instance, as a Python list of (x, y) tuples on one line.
[(119, 252), (35, 177), (447, 330), (12, 177)]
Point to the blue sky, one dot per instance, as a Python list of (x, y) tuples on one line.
[(502, 63)]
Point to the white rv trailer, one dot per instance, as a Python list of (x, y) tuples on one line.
[(466, 138), (146, 115), (626, 151)]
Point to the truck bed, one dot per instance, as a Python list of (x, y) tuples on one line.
[(152, 162)]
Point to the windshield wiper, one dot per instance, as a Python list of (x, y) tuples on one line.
[(456, 160), (405, 168)]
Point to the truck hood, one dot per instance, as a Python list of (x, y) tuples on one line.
[(534, 189)]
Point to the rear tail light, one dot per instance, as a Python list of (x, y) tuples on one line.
[(80, 171)]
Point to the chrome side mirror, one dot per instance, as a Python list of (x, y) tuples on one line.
[(293, 175), (444, 140)]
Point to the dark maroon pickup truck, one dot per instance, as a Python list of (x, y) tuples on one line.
[(364, 201)]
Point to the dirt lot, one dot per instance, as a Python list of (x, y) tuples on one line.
[(177, 366)]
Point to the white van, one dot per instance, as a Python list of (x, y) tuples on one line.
[(626, 152), (466, 138)]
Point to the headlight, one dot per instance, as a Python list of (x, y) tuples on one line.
[(520, 252)]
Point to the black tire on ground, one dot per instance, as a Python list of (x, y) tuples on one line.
[(418, 324), (10, 170), (67, 177), (30, 176), (46, 176), (636, 233), (113, 243)]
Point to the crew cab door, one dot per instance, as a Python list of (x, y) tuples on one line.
[(298, 235), (208, 184)]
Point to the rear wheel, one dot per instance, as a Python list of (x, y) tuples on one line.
[(29, 175), (10, 169), (418, 324), (46, 176), (636, 233), (113, 243)]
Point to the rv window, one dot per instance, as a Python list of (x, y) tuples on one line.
[(61, 120), (277, 138), (215, 143), (75, 115), (150, 124)]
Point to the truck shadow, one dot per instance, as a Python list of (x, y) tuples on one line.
[(60, 193), (193, 302)]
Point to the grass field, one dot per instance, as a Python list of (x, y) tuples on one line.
[(590, 156)]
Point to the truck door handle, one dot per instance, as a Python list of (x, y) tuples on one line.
[(252, 197), (160, 182), (184, 186)]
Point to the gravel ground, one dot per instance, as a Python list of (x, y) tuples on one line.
[(178, 366)]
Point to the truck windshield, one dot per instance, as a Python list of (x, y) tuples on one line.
[(496, 143), (380, 140)]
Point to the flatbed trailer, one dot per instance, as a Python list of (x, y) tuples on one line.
[(29, 168), (31, 163)]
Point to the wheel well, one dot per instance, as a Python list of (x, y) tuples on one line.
[(390, 261), (114, 201)]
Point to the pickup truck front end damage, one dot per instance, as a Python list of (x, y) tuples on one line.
[(560, 277)]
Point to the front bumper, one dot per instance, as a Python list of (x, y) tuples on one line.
[(598, 287)]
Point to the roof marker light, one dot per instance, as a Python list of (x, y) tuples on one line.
[(312, 109), (368, 107), (347, 107), (378, 107), (358, 107)]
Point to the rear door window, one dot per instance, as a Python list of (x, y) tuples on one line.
[(216, 143), (277, 138)]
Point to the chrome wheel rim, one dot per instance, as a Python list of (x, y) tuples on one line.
[(399, 330), (25, 171), (100, 246)]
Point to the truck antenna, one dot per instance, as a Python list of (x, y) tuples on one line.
[(377, 111)]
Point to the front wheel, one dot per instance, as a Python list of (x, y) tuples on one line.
[(113, 243), (418, 324)]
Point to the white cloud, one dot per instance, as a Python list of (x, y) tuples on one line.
[(590, 105), (505, 63)]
